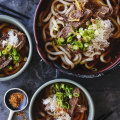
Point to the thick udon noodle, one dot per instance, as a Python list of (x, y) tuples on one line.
[(52, 25)]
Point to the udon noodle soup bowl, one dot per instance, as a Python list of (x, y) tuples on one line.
[(21, 27), (77, 71), (35, 97)]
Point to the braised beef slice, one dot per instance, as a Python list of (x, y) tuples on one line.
[(87, 15), (77, 14), (91, 6), (73, 103), (2, 59), (22, 40), (81, 109), (103, 11), (4, 62), (65, 31), (66, 16), (4, 36)]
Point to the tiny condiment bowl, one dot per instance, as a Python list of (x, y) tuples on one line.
[(23, 104)]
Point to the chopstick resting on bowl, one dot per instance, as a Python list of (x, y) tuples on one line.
[(13, 11)]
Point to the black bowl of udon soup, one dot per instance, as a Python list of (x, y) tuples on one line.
[(78, 38), (15, 48), (61, 99)]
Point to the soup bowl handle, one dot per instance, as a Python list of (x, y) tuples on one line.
[(10, 115)]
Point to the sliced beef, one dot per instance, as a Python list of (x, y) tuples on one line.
[(4, 36), (65, 31), (91, 6), (2, 59), (81, 109), (76, 14), (87, 15), (22, 40), (4, 62), (103, 12), (73, 103)]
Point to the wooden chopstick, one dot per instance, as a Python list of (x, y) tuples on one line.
[(3, 12), (7, 8)]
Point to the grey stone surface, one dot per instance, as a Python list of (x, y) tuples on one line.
[(105, 90)]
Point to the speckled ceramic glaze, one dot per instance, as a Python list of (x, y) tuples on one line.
[(90, 102), (7, 19)]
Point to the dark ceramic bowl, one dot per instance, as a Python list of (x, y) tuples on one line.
[(78, 71), (91, 112)]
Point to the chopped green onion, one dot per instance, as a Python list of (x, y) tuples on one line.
[(90, 27), (0, 53), (69, 39), (61, 39), (4, 52), (10, 67), (91, 36), (81, 45), (57, 86), (14, 52), (86, 39), (63, 86), (94, 69), (16, 58), (75, 94), (84, 49), (90, 31), (75, 47), (8, 48), (88, 23), (86, 45), (67, 106), (96, 21), (17, 64), (81, 31)]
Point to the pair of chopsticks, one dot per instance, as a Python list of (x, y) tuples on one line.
[(18, 14)]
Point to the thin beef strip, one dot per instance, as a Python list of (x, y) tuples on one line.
[(73, 103), (76, 14), (91, 6), (87, 15), (4, 62), (22, 40), (103, 12), (65, 31)]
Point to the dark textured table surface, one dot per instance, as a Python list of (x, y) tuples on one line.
[(104, 90)]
